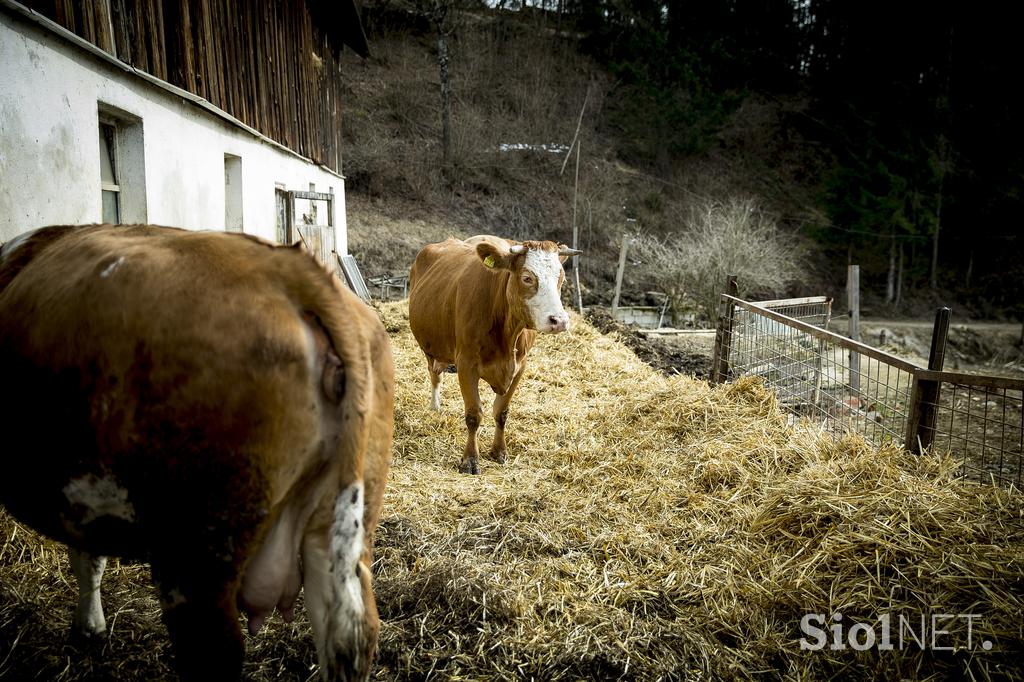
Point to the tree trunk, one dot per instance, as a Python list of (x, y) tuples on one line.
[(945, 154), (934, 279), (446, 94), (899, 279), (890, 283)]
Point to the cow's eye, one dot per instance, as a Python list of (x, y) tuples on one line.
[(527, 279)]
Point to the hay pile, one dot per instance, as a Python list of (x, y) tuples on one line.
[(645, 527)]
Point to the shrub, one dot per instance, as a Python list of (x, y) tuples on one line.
[(718, 239)]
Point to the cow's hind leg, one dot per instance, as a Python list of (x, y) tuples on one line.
[(89, 620), (339, 596), (499, 450), (470, 385), (435, 382), (201, 615)]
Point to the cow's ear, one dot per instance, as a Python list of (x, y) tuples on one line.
[(492, 257)]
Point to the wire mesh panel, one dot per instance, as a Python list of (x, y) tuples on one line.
[(816, 310), (980, 421), (809, 370), (844, 386)]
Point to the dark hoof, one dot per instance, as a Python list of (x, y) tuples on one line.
[(470, 466), (86, 640), (451, 369), (501, 456)]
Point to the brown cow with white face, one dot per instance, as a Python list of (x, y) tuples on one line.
[(210, 403), (478, 304)]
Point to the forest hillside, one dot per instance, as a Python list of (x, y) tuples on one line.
[(779, 141)]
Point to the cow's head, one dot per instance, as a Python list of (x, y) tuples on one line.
[(535, 281)]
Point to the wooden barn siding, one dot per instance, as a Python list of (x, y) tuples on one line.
[(251, 58)]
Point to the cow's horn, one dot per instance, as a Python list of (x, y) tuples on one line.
[(516, 249), (569, 252)]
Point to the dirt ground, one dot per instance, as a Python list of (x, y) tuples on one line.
[(975, 347), (685, 354)]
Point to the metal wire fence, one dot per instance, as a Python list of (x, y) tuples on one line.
[(980, 419), (815, 310), (844, 386)]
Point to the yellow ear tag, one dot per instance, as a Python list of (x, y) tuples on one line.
[(489, 261)]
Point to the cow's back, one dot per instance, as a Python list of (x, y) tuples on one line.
[(447, 283), (147, 361)]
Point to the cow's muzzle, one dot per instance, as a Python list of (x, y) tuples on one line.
[(557, 323)]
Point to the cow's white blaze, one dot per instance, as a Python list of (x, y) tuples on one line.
[(99, 497), (545, 306)]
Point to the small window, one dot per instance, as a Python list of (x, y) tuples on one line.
[(122, 166), (233, 193), (109, 187)]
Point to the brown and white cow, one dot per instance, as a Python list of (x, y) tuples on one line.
[(212, 404), (478, 304)]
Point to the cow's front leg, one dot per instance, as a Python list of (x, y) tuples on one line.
[(339, 596), (499, 450), (89, 620), (469, 383)]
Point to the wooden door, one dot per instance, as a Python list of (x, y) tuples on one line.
[(314, 229)]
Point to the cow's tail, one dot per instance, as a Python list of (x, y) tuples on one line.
[(358, 375), (344, 333)]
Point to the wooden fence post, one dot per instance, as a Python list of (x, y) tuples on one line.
[(853, 301), (723, 334), (618, 273), (925, 393), (575, 226)]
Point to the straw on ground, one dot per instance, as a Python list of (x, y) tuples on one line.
[(645, 527)]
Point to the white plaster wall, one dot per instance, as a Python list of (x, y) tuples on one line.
[(49, 145)]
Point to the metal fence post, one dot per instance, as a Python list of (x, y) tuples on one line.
[(723, 334), (925, 392)]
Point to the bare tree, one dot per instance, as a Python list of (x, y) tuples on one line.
[(943, 164), (441, 14), (734, 237)]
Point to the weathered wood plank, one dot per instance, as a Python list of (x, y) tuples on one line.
[(976, 380), (252, 58), (187, 58), (105, 27), (160, 40), (315, 196)]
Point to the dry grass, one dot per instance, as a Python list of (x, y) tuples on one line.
[(384, 244), (646, 527)]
